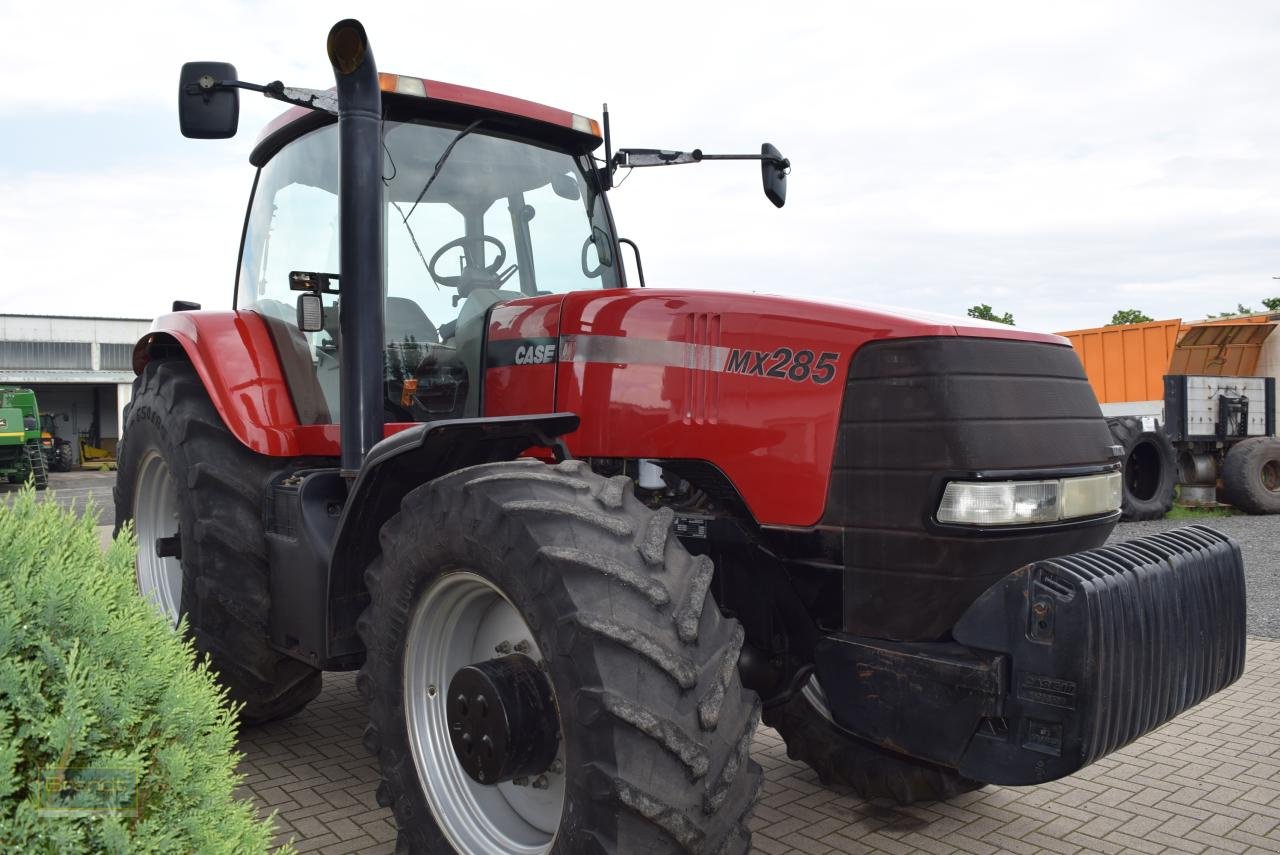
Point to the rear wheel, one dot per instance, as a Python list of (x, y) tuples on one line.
[(838, 757), (194, 493), (1251, 475), (63, 457), (555, 582), (1150, 469)]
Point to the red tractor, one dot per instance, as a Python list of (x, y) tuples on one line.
[(579, 537)]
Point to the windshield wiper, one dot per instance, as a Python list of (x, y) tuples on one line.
[(435, 173), (448, 150)]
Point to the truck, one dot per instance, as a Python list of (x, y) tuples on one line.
[(1194, 408), (21, 454), (579, 537)]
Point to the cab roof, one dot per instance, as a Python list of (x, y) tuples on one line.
[(447, 102)]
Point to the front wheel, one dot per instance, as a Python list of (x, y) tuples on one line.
[(547, 672)]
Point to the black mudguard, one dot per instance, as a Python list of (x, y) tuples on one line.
[(323, 534), (1058, 664)]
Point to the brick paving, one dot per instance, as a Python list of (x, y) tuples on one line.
[(1207, 782)]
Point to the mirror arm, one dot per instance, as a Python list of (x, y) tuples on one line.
[(312, 99), (780, 162), (631, 158)]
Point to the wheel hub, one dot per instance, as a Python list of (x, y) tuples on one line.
[(502, 719), (1271, 476)]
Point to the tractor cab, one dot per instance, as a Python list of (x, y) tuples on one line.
[(479, 208)]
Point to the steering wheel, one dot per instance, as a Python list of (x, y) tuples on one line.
[(457, 281)]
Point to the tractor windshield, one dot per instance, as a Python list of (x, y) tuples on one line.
[(502, 219)]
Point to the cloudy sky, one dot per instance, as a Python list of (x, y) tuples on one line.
[(1056, 160)]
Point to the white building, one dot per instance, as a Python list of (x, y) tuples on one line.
[(79, 367)]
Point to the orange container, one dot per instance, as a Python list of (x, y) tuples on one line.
[(1128, 362)]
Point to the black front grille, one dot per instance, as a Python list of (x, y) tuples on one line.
[(919, 412)]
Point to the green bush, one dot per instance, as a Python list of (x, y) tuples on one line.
[(110, 739)]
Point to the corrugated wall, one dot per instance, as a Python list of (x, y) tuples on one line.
[(1126, 363)]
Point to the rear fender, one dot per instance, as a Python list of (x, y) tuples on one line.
[(234, 356)]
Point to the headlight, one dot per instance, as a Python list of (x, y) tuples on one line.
[(998, 503)]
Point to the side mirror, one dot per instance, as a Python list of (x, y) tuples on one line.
[(773, 176), (207, 111)]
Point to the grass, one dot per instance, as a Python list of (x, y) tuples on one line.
[(1180, 513)]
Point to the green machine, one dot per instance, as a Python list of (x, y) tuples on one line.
[(21, 455)]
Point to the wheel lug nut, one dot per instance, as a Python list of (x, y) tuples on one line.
[(520, 781), (503, 648), (541, 782), (557, 768), (522, 647)]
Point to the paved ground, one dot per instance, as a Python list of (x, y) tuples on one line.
[(1207, 782), (73, 489)]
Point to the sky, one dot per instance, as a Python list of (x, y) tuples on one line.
[(1058, 161)]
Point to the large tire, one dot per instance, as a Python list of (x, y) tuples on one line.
[(63, 457), (218, 487), (656, 726), (1251, 475), (1150, 469), (840, 758)]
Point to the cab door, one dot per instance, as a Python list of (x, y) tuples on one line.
[(520, 353)]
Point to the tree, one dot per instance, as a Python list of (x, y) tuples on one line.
[(1241, 309), (1272, 303), (1129, 316), (984, 312)]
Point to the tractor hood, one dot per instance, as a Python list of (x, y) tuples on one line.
[(677, 374)]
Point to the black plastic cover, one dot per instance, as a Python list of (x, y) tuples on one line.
[(1104, 646), (920, 412), (207, 113)]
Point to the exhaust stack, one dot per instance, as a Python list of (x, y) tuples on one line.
[(363, 286)]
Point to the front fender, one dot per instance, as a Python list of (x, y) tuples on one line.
[(397, 465)]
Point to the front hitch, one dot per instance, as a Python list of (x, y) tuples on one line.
[(1056, 665)]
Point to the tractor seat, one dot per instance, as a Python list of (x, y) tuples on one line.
[(405, 321)]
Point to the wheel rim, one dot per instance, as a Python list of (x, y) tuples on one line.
[(1142, 471), (460, 620), (155, 516), (1271, 476)]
